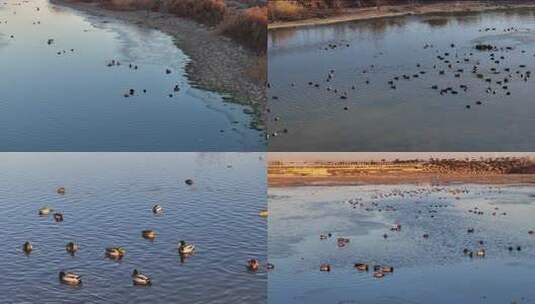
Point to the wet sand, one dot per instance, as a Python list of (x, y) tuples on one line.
[(403, 10), (217, 63), (392, 179)]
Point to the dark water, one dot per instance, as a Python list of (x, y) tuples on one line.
[(74, 102), (413, 116), (108, 203), (432, 270)]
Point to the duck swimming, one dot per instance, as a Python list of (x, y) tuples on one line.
[(71, 247), (140, 279), (185, 249), (361, 267), (189, 182), (263, 213), (60, 190), (253, 265), (70, 278), (58, 217), (157, 209), (45, 211), (115, 252), (325, 267), (149, 234), (27, 247)]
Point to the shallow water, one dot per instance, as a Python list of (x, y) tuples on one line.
[(413, 116), (432, 270), (108, 203), (75, 102)]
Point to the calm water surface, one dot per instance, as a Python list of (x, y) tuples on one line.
[(432, 270), (108, 203), (73, 101), (413, 116)]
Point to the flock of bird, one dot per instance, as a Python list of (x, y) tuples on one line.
[(112, 63), (117, 253), (378, 203), (454, 70)]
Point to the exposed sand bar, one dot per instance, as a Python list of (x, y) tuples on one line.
[(390, 179), (217, 63), (406, 10)]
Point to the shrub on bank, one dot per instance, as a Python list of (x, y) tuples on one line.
[(248, 27), (206, 11)]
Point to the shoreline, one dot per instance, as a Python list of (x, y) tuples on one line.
[(358, 14), (217, 63), (395, 179)]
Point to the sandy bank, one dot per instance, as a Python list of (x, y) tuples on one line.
[(404, 10), (387, 179), (217, 63)]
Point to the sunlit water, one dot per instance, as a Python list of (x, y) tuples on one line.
[(413, 116), (108, 203), (75, 102), (432, 270)]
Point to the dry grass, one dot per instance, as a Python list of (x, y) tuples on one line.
[(285, 10), (248, 27), (206, 11)]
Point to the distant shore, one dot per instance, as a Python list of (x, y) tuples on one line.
[(355, 14), (217, 63), (392, 179)]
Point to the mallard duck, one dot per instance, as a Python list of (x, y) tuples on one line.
[(45, 211), (58, 217), (386, 269), (71, 247), (60, 190), (27, 247), (140, 279), (189, 182), (378, 274), (115, 252), (325, 267), (253, 265), (157, 209), (361, 267), (149, 234), (481, 252), (263, 213), (270, 266), (184, 248), (70, 278)]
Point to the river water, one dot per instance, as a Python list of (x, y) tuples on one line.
[(426, 270), (108, 202), (357, 60), (72, 101)]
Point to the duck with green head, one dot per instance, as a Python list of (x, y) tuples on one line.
[(185, 249), (139, 278)]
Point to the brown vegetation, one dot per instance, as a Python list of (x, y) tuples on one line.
[(243, 20)]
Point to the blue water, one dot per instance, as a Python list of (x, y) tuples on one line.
[(108, 202), (413, 116), (75, 102), (432, 270)]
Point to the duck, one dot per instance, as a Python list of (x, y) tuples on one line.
[(270, 266), (71, 247), (253, 264), (387, 269), (157, 209), (45, 211), (481, 252), (140, 279), (61, 190), (325, 267), (149, 234), (27, 247), (115, 252), (58, 217), (185, 249), (189, 182), (264, 213), (70, 278), (361, 266)]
